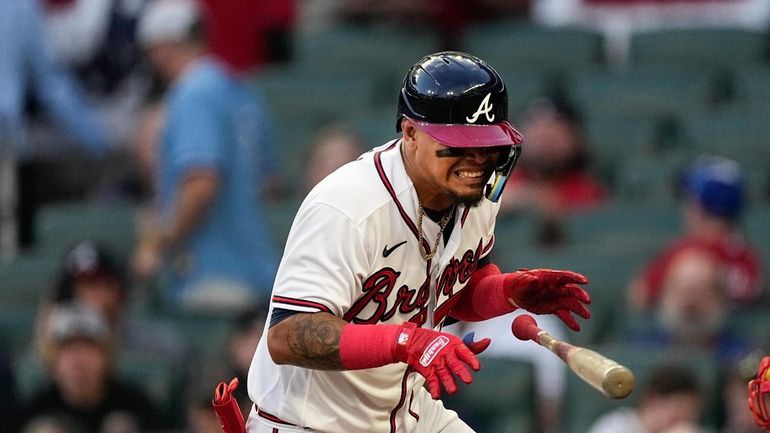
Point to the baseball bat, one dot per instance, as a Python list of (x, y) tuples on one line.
[(610, 378)]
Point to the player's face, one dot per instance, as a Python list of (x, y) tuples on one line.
[(450, 174)]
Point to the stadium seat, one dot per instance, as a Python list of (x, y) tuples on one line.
[(717, 48), (298, 95), (523, 87), (651, 179), (17, 322), (364, 50), (26, 278), (513, 46), (753, 88), (665, 93), (613, 139), (501, 398), (62, 225), (280, 216), (735, 134)]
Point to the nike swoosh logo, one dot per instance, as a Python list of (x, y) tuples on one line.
[(387, 251)]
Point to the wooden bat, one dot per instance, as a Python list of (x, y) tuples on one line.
[(610, 378)]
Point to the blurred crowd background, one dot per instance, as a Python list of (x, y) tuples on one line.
[(646, 166)]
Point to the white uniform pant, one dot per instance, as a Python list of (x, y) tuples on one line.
[(434, 418)]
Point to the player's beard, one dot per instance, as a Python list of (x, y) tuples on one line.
[(468, 200)]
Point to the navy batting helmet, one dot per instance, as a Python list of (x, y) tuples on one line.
[(461, 101)]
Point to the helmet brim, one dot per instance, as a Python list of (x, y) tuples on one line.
[(463, 135)]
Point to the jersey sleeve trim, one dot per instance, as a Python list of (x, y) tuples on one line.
[(299, 305)]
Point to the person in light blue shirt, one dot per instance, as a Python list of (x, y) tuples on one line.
[(211, 234), (27, 64)]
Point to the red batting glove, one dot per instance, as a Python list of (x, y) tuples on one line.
[(438, 356), (547, 291)]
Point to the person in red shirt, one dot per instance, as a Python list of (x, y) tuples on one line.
[(713, 199)]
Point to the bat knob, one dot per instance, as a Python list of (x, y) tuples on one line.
[(525, 328)]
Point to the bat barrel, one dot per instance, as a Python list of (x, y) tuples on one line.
[(618, 382), (610, 378)]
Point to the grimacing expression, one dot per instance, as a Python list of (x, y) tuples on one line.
[(460, 174)]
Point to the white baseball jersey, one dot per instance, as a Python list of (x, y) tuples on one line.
[(352, 252)]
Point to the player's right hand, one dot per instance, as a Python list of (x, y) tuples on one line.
[(438, 356)]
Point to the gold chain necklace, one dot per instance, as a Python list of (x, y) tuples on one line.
[(441, 224)]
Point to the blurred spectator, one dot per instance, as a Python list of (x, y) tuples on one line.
[(91, 276), (145, 145), (552, 177), (550, 371), (692, 312), (201, 418), (27, 67), (49, 424), (333, 147), (671, 402), (738, 418), (79, 353), (241, 345), (250, 33), (232, 361), (214, 155), (713, 193)]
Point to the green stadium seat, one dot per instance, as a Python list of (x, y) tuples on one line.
[(62, 225), (613, 139), (204, 335), (666, 93), (382, 53), (651, 179), (523, 87), (735, 134), (626, 224), (24, 279), (721, 48), (376, 127), (297, 94), (280, 216), (501, 398), (17, 326), (753, 88), (514, 45)]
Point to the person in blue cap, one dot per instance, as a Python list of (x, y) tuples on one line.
[(713, 191)]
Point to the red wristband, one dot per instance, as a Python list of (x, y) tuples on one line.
[(483, 297), (367, 346)]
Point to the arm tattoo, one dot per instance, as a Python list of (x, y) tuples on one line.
[(315, 341)]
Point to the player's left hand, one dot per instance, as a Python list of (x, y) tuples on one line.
[(548, 291), (438, 356)]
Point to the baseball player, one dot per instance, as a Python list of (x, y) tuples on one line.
[(386, 250)]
